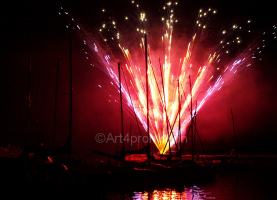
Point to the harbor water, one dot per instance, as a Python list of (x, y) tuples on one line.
[(247, 184)]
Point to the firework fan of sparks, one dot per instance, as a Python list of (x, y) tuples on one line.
[(173, 83)]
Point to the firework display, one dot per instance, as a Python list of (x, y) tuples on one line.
[(210, 59)]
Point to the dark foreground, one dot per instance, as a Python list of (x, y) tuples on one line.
[(234, 179)]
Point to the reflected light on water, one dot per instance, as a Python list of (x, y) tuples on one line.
[(193, 193), (254, 184)]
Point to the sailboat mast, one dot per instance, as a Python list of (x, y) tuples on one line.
[(56, 99), (147, 100), (70, 84), (194, 122), (165, 106), (234, 129), (130, 136), (29, 94), (179, 98), (28, 85), (191, 121), (121, 109)]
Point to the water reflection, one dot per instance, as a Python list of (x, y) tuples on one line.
[(193, 193), (254, 183)]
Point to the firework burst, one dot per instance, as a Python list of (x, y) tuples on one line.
[(176, 85)]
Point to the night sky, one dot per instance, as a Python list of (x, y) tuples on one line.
[(251, 95)]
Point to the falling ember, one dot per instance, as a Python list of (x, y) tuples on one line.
[(206, 78)]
